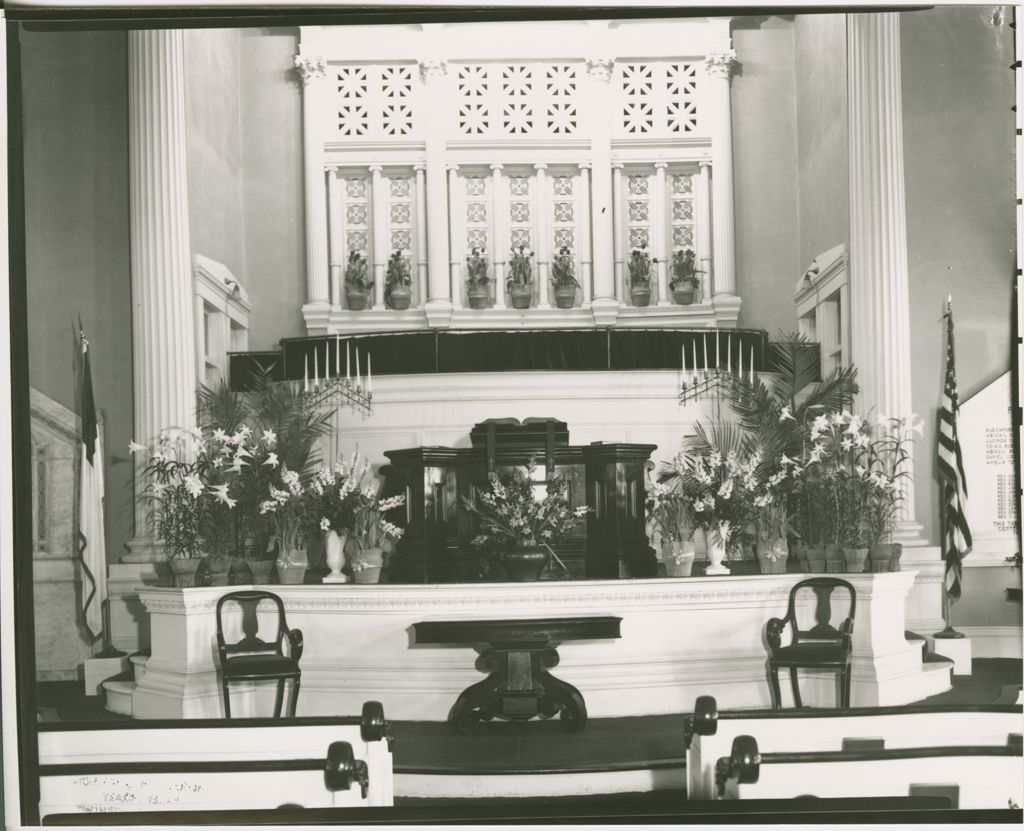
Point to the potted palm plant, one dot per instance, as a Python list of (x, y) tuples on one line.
[(358, 282), (520, 278), (563, 278), (398, 281), (477, 279), (684, 283), (640, 277), (516, 527)]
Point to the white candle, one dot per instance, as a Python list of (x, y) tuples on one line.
[(369, 375), (693, 362), (728, 352), (337, 354), (305, 375), (751, 363), (316, 368), (741, 360), (716, 351), (707, 354), (348, 362), (359, 381)]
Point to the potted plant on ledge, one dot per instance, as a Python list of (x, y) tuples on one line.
[(476, 279), (520, 278), (398, 282), (640, 277), (516, 528), (669, 520), (563, 278), (684, 282), (358, 282), (372, 536)]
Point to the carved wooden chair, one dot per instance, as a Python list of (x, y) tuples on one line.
[(823, 646), (254, 659)]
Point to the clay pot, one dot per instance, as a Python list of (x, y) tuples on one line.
[(183, 571), (520, 296), (835, 563), (855, 559), (684, 294), (678, 558), (565, 297), (880, 556), (641, 294), (774, 556), (525, 565), (477, 297), (356, 299), (399, 297), (815, 559)]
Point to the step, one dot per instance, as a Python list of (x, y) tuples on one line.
[(138, 662), (119, 695)]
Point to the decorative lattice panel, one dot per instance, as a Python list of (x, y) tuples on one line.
[(638, 210), (564, 213), (519, 211), (513, 100), (681, 192), (401, 234), (656, 99), (376, 101), (355, 193), (477, 189)]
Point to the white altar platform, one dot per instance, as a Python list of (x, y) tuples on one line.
[(680, 638)]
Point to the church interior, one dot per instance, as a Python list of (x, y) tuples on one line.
[(473, 417)]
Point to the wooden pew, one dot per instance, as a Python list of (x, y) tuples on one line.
[(216, 764), (709, 734), (976, 777)]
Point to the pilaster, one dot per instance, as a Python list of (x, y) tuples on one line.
[(719, 66), (313, 72), (879, 277), (379, 207), (163, 321), (439, 300)]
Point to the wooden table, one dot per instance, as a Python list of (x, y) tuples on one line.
[(517, 654)]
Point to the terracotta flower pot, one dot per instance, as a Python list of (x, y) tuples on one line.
[(291, 566), (477, 297), (683, 294), (399, 297), (855, 559), (356, 299), (520, 296), (773, 557), (815, 559), (525, 565), (370, 574), (183, 571), (835, 563), (565, 297), (261, 570), (678, 558), (897, 552), (880, 557), (640, 294), (799, 550)]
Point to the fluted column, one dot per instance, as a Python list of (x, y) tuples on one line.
[(605, 305), (499, 207), (163, 322), (619, 252), (313, 71), (544, 243), (335, 234), (421, 233), (879, 297), (704, 227), (586, 255), (661, 231), (379, 208), (719, 65), (439, 302)]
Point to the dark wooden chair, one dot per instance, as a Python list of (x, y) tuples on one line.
[(253, 659), (821, 647)]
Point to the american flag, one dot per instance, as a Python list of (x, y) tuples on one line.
[(956, 536), (92, 542)]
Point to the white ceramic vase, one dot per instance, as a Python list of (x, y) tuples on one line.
[(716, 550), (335, 545)]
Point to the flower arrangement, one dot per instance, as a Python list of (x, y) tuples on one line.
[(332, 498), (563, 269), (371, 535), (520, 267), (684, 270), (357, 273), (510, 515), (639, 267), (726, 490), (194, 482), (476, 269), (285, 507), (398, 271), (668, 517)]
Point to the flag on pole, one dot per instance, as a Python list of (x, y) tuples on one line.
[(956, 536), (92, 543)]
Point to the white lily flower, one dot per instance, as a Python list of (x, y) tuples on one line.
[(270, 437), (135, 447), (785, 460), (221, 492), (786, 414), (271, 460), (194, 485)]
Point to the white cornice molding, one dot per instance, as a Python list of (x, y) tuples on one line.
[(822, 273), (215, 283)]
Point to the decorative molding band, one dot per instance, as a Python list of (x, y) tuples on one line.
[(311, 68)]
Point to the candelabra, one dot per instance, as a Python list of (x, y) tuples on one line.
[(333, 390), (706, 382), (710, 377)]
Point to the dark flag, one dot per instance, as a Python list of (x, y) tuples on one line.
[(92, 542), (956, 536)]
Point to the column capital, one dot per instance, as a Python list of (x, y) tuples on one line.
[(704, 164), (617, 165), (660, 165), (432, 69), (311, 68), (584, 165), (540, 166), (451, 167), (600, 68), (720, 64), (375, 168), (497, 167), (419, 167)]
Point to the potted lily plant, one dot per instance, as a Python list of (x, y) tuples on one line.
[(372, 537), (398, 281), (358, 282), (563, 278), (669, 522), (476, 279), (329, 509), (520, 278), (684, 283), (887, 459), (640, 277), (516, 527)]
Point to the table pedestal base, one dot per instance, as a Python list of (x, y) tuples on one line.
[(519, 688)]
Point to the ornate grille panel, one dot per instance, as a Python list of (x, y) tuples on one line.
[(638, 212), (681, 192), (657, 99), (376, 101), (501, 100), (356, 195), (477, 202)]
